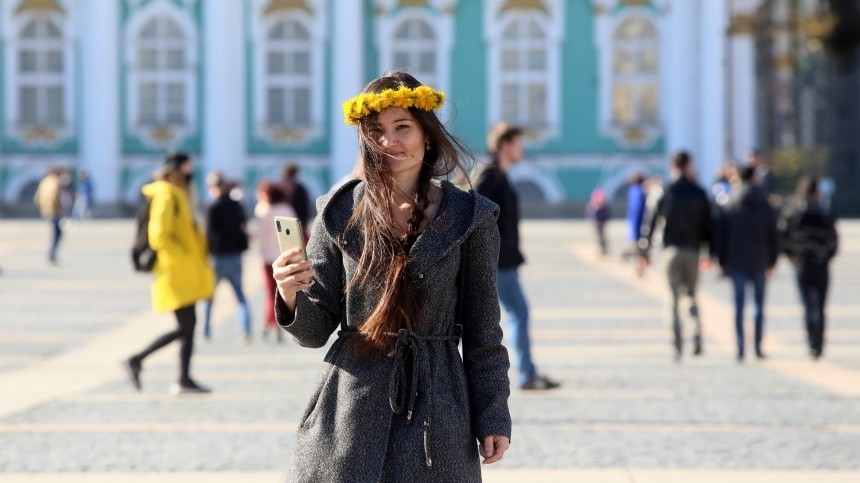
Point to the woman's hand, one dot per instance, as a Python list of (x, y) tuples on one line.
[(493, 448), (292, 277)]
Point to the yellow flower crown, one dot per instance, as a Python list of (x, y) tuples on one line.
[(422, 97)]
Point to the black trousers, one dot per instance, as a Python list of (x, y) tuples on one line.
[(812, 282), (186, 319)]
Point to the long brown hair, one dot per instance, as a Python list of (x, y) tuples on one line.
[(382, 266)]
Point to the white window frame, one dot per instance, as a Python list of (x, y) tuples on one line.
[(439, 16), (314, 22), (551, 21), (288, 81), (40, 133), (187, 76), (638, 134)]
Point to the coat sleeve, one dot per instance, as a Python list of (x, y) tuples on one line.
[(485, 358), (162, 221), (319, 309)]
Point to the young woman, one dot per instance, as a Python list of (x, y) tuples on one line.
[(403, 266)]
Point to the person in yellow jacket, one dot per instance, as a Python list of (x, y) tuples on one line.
[(182, 274)]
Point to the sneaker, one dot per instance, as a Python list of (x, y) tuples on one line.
[(539, 383), (697, 346), (245, 339), (132, 371), (188, 387)]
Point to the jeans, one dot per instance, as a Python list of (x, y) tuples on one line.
[(186, 319), (229, 267), (516, 308), (812, 282), (740, 278), (56, 234), (683, 274)]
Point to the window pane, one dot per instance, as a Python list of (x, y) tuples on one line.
[(648, 61), (302, 106), (401, 60), (275, 63), (427, 62), (27, 61), (148, 103), (624, 62), (510, 60), (423, 31), (275, 105), (147, 59), (295, 31), (30, 31), (171, 29), (51, 31), (537, 59), (649, 100), (510, 103), (535, 30), (301, 63), (537, 105), (622, 104), (27, 105), (150, 31), (54, 108), (175, 103), (277, 32), (512, 30), (54, 61), (175, 59)]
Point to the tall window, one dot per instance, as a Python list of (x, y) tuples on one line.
[(635, 68), (524, 73), (288, 75), (161, 74), (41, 79), (415, 49)]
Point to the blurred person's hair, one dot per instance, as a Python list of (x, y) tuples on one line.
[(500, 134), (681, 160), (216, 179), (747, 173), (807, 186), (290, 171), (636, 178), (273, 191)]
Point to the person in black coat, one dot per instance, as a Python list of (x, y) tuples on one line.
[(506, 148), (809, 239), (748, 246)]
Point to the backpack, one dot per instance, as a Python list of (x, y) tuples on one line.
[(142, 255)]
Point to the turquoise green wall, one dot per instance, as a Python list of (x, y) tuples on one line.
[(371, 56), (469, 77)]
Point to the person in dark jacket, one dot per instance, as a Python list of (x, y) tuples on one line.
[(505, 146), (599, 213), (688, 228), (297, 196), (403, 266), (748, 246), (226, 231), (809, 239)]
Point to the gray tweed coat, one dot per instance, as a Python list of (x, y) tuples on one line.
[(417, 414)]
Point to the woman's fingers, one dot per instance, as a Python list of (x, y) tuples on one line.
[(493, 448)]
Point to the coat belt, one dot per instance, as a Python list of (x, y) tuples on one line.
[(411, 349)]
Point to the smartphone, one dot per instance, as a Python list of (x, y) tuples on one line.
[(290, 235)]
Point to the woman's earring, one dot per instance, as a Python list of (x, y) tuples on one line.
[(427, 145)]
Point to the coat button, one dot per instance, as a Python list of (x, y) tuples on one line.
[(420, 275)]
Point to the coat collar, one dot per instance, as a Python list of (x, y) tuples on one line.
[(454, 221)]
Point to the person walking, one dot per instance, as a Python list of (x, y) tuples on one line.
[(636, 207), (748, 246), (84, 192), (809, 239), (505, 146), (226, 232), (403, 266), (297, 196), (685, 213), (182, 274), (271, 202), (598, 212), (49, 199)]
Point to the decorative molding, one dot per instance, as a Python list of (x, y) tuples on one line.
[(276, 6), (513, 5), (38, 6), (742, 24)]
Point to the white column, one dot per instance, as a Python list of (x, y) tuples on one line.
[(680, 77), (99, 106), (713, 109), (347, 48), (223, 108), (741, 88)]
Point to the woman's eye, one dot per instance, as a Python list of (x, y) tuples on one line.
[(402, 127)]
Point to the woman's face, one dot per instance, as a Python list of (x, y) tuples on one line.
[(402, 138)]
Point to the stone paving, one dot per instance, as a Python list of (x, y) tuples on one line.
[(626, 412)]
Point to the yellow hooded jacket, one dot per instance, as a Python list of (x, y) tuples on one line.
[(182, 274)]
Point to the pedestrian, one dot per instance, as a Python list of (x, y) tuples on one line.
[(598, 212), (226, 232), (505, 147), (271, 202), (748, 245), (685, 214), (810, 241), (49, 198), (395, 401), (182, 274), (83, 196), (635, 213), (755, 159), (297, 196)]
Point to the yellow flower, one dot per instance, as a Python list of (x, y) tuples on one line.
[(422, 97)]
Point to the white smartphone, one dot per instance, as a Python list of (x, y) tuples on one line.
[(290, 235)]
